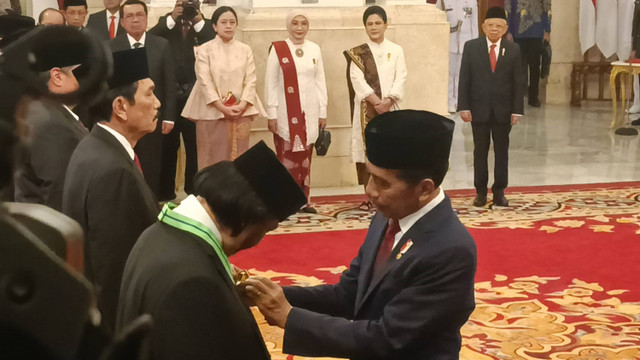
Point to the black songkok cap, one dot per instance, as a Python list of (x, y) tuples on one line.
[(409, 140), (68, 3), (129, 66), (496, 13), (61, 47), (270, 180)]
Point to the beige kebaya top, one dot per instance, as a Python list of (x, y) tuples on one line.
[(221, 68)]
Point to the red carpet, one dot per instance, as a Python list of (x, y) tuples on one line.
[(557, 272)]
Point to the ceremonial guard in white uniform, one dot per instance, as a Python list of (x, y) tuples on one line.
[(463, 20)]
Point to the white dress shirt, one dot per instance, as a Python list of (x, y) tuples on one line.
[(123, 140), (132, 41), (71, 112), (197, 26), (408, 221)]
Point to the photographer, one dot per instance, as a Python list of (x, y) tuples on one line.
[(185, 28)]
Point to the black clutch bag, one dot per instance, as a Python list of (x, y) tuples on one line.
[(323, 142)]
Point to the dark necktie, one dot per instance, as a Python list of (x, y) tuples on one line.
[(112, 27), (492, 57), (137, 161), (185, 28), (137, 45), (387, 244)]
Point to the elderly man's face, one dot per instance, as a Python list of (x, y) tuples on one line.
[(142, 115), (52, 17), (494, 29), (75, 15), (134, 19)]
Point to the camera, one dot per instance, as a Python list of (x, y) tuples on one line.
[(190, 9)]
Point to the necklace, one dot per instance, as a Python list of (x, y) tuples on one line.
[(299, 53)]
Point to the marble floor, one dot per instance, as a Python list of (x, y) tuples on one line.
[(552, 145)]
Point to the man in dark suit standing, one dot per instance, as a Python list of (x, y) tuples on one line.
[(491, 98), (104, 190), (185, 29), (410, 288), (133, 15), (105, 24), (54, 131), (179, 271)]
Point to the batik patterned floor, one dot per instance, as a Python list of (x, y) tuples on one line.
[(557, 271)]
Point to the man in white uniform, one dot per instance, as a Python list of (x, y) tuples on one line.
[(463, 21), (377, 73)]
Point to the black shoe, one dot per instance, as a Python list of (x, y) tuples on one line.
[(534, 103), (480, 200), (309, 210), (500, 200), (635, 122)]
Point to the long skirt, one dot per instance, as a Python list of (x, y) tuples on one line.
[(222, 139), (298, 163)]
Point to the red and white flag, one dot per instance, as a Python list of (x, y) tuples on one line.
[(625, 26), (587, 24), (607, 27)]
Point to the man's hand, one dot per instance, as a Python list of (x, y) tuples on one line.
[(466, 116), (269, 298), (177, 10), (167, 127), (632, 56), (272, 125), (547, 37), (322, 123), (509, 37), (198, 17), (515, 119)]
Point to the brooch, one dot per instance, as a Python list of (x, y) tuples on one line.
[(404, 249), (285, 60)]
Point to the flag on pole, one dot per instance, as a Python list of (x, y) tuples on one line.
[(587, 24), (607, 27), (625, 26)]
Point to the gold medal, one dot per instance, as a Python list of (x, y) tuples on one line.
[(299, 53), (242, 276)]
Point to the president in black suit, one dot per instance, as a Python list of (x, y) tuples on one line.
[(104, 190), (491, 98), (410, 288), (105, 24), (185, 30), (179, 271), (133, 15), (54, 131)]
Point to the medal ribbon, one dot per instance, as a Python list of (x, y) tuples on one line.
[(178, 221)]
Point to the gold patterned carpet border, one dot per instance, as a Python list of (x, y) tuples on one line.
[(526, 209)]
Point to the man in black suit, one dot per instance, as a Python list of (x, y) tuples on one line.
[(179, 271), (105, 24), (184, 30), (104, 189), (491, 98), (410, 288), (133, 15), (75, 12), (54, 131)]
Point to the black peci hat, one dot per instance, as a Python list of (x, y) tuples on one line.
[(496, 13), (75, 3), (59, 49), (14, 26), (270, 180), (129, 66), (409, 140)]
